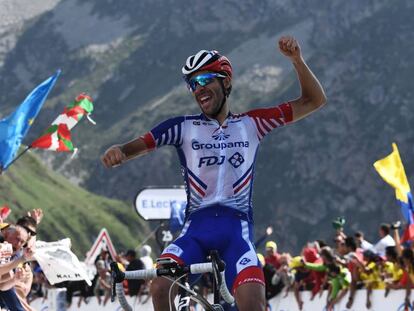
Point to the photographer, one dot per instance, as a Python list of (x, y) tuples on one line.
[(17, 249)]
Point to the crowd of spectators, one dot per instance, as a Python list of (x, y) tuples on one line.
[(101, 282), (348, 264)]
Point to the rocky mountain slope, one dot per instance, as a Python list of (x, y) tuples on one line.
[(128, 56)]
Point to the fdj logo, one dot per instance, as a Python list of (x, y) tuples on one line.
[(244, 261), (213, 160), (236, 160)]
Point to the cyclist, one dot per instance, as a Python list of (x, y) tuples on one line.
[(217, 152)]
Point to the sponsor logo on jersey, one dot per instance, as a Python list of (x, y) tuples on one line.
[(236, 160), (219, 145), (173, 249), (211, 160), (221, 136), (244, 261)]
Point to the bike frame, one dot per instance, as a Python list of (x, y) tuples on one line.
[(170, 268)]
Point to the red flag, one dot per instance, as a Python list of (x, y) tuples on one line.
[(4, 212), (408, 234)]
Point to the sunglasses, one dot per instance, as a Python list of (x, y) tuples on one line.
[(203, 80), (30, 231)]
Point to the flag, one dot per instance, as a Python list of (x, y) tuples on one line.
[(391, 169), (57, 137), (4, 212), (15, 127), (59, 263), (177, 216)]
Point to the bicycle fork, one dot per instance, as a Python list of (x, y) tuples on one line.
[(183, 298)]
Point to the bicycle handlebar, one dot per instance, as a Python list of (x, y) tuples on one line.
[(172, 269)]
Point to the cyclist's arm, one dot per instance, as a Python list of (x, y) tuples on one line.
[(168, 132), (312, 94), (118, 154)]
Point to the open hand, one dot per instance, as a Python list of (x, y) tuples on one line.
[(36, 214)]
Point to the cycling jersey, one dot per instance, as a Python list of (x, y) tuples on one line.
[(218, 160)]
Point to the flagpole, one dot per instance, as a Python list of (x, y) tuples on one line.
[(16, 158), (148, 237)]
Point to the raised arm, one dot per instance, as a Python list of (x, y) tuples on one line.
[(312, 94)]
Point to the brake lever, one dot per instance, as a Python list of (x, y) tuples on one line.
[(113, 292), (117, 276)]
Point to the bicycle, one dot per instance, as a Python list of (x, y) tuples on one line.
[(170, 268)]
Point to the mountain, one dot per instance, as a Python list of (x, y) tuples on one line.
[(128, 57), (69, 210)]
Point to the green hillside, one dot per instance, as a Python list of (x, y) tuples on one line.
[(70, 211)]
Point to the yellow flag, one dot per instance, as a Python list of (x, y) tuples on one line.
[(392, 171)]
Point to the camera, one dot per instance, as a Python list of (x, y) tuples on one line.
[(396, 225)]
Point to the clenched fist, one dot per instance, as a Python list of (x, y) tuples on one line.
[(289, 47), (113, 157)]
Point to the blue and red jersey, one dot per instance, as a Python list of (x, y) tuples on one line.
[(218, 160)]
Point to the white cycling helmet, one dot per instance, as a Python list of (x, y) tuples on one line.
[(207, 60)]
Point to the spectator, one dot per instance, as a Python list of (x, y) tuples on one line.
[(338, 278), (352, 253), (105, 257), (40, 285), (393, 270), (302, 279), (371, 273), (134, 263), (340, 247), (408, 273), (24, 275), (273, 278), (310, 254), (386, 240), (338, 225), (103, 284), (361, 242), (13, 255), (146, 258), (272, 256)]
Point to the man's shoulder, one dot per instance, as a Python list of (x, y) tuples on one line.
[(135, 265), (389, 240)]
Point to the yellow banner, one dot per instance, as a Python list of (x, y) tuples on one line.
[(392, 171)]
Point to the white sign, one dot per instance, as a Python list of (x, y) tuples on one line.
[(58, 262), (155, 204)]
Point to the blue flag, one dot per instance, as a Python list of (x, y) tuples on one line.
[(15, 127), (177, 215)]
